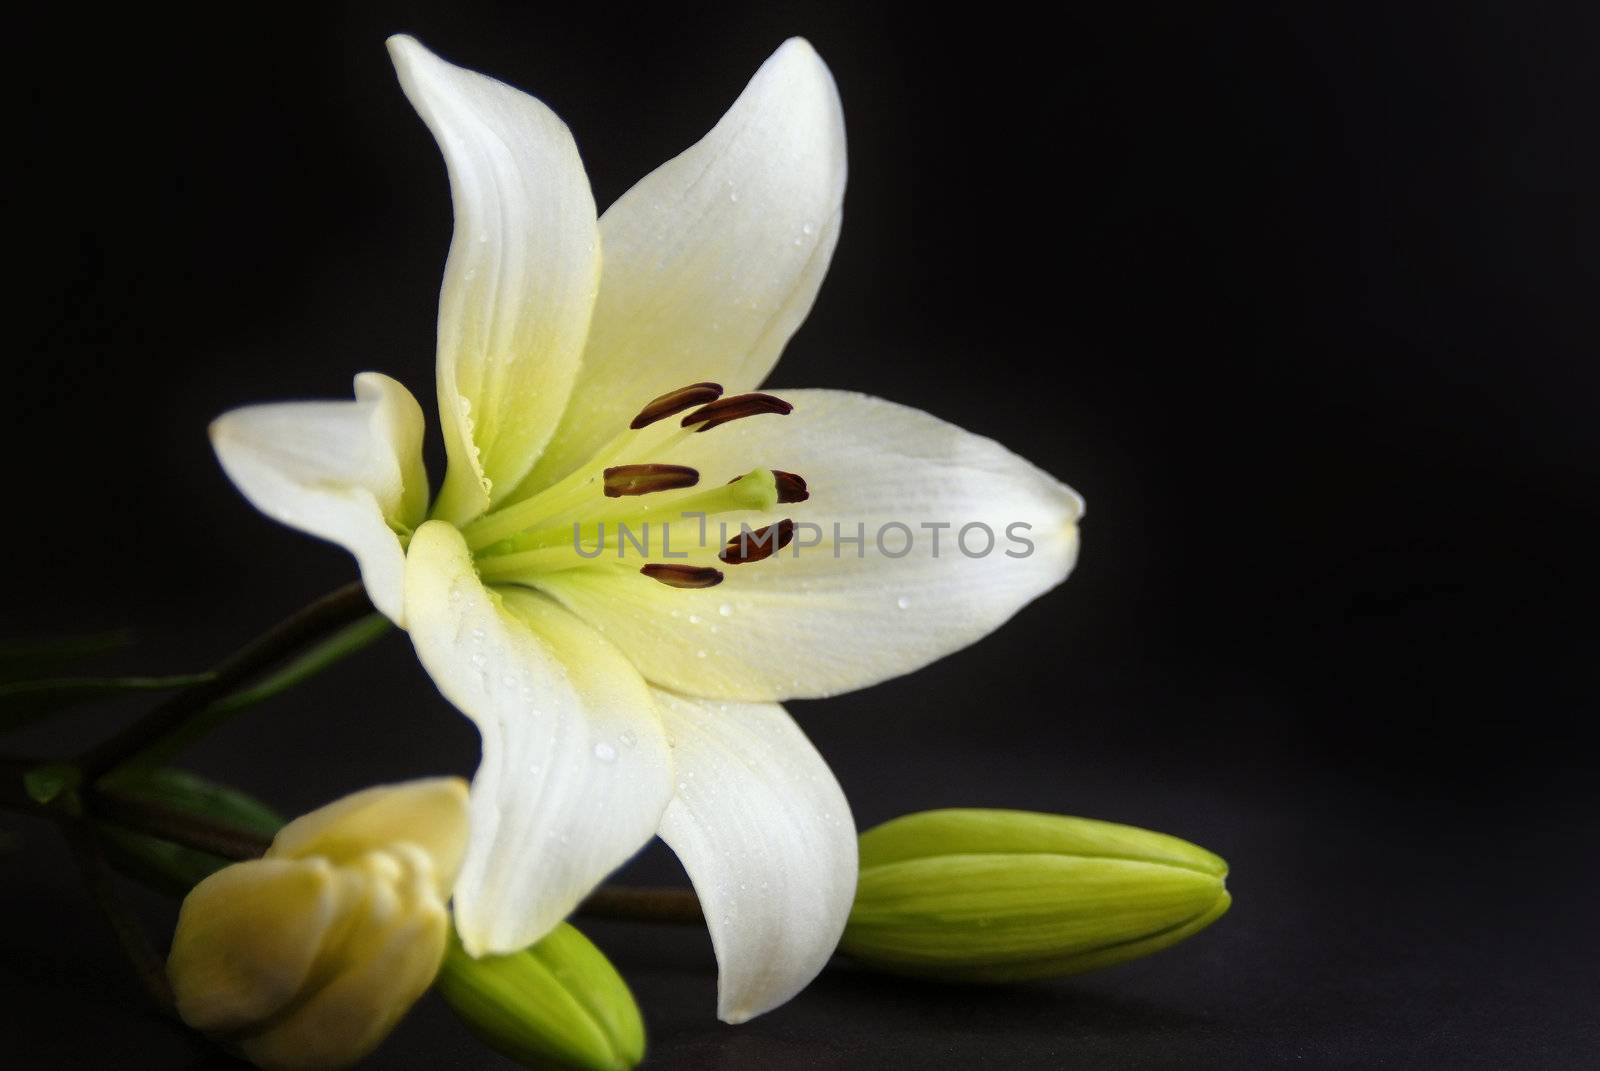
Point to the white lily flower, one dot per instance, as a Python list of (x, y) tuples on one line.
[(617, 700)]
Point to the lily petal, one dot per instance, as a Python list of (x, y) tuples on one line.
[(575, 771), (520, 282), (714, 259), (767, 838), (819, 620), (347, 472)]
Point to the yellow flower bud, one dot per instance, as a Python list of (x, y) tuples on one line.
[(1004, 896), (308, 957)]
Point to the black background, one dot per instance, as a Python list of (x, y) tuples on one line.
[(1303, 301)]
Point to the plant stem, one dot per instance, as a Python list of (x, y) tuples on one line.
[(326, 616), (352, 638), (643, 903)]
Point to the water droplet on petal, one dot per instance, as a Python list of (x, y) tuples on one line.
[(605, 752), (726, 609), (903, 602)]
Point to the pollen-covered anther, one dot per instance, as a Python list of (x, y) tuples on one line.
[(758, 544), (735, 407), (683, 576), (676, 401), (623, 480), (791, 485)]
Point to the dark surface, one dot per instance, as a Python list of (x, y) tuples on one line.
[(1303, 303)]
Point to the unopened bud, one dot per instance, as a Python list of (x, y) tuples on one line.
[(559, 1003), (1003, 896), (308, 957)]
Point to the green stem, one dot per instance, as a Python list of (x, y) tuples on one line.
[(352, 638), (329, 615)]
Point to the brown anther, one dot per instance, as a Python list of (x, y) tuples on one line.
[(791, 485), (644, 479), (676, 401), (735, 407), (683, 576), (758, 545)]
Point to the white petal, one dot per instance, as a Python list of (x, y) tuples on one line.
[(521, 279), (714, 259), (767, 838), (575, 770), (347, 472), (824, 619)]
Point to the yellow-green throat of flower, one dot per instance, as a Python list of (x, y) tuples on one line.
[(607, 515)]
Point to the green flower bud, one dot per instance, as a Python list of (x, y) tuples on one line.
[(559, 1003), (1004, 896)]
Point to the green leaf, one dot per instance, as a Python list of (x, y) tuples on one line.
[(24, 702), (160, 864), (45, 784), (35, 658), (347, 641), (190, 794)]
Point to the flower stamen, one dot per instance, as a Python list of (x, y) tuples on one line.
[(791, 486), (623, 480), (676, 401), (683, 576), (759, 544), (735, 407)]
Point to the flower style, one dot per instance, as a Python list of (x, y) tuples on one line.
[(625, 690), (308, 957)]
